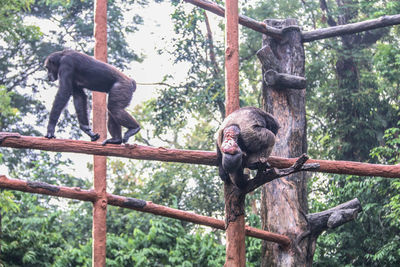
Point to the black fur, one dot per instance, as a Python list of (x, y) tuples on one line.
[(76, 71)]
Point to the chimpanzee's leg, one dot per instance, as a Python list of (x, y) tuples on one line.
[(115, 130), (119, 98)]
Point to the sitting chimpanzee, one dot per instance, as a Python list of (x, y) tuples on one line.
[(245, 139)]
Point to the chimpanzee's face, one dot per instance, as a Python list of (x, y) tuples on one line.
[(52, 70)]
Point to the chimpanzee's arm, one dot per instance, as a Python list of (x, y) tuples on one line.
[(63, 94)]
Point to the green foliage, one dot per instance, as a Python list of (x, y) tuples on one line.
[(8, 11), (202, 94), (165, 244), (352, 99), (359, 243), (389, 153), (31, 241), (6, 111)]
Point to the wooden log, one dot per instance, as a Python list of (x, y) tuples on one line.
[(231, 57), (15, 140), (131, 203), (381, 22), (344, 167), (243, 20), (283, 80)]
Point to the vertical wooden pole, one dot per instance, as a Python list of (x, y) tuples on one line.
[(99, 231), (234, 198), (231, 56)]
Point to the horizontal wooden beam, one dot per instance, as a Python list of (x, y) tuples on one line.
[(95, 148), (306, 36), (350, 28), (132, 203), (14, 140)]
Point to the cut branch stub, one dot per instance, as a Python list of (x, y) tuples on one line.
[(282, 80), (275, 75)]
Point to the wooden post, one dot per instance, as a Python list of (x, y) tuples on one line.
[(234, 198), (231, 57), (99, 126), (284, 201)]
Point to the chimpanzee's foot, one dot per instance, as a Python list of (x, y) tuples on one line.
[(111, 141), (50, 136), (94, 137), (88, 131), (130, 133)]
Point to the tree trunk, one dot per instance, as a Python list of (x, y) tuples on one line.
[(284, 201)]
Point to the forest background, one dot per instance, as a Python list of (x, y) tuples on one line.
[(353, 101)]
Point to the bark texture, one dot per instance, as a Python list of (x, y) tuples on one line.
[(284, 201)]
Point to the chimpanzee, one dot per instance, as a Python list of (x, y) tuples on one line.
[(76, 71), (245, 139)]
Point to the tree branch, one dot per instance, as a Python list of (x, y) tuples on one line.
[(328, 219), (334, 217), (243, 20), (351, 28), (306, 36), (269, 175)]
